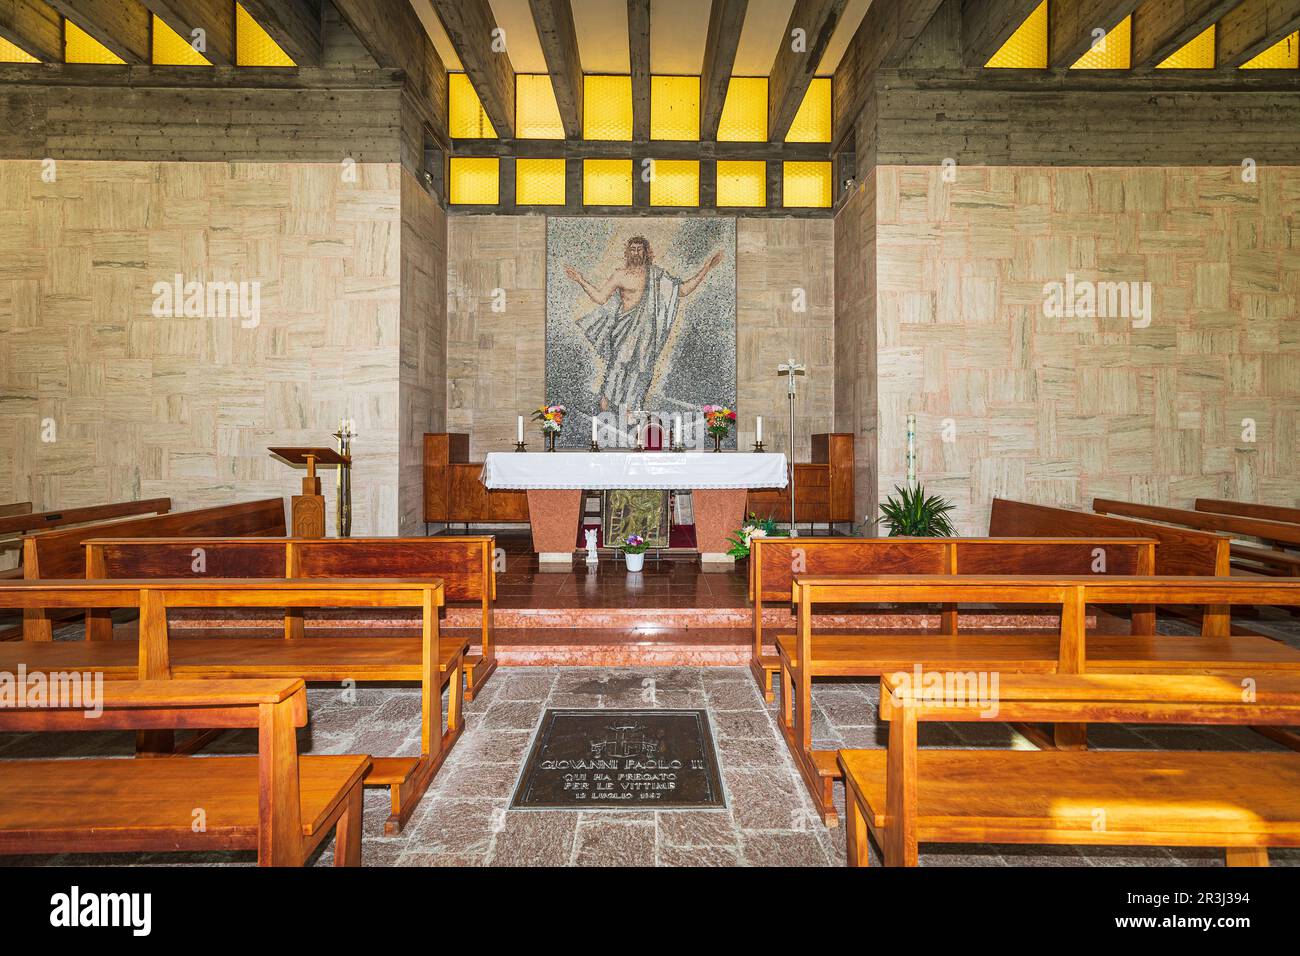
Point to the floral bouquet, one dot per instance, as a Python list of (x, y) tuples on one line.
[(766, 528), (718, 419), (635, 544), (551, 417)]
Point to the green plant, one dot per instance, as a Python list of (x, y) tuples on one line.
[(914, 514), (635, 544), (764, 528)]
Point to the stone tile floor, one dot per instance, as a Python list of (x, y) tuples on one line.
[(464, 820)]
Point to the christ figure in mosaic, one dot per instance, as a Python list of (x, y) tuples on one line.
[(637, 307)]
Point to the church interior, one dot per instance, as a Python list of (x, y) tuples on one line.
[(649, 433)]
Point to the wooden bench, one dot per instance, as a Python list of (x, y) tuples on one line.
[(156, 655), (805, 655), (277, 803), (15, 508), (1244, 802), (465, 565), (1283, 536), (773, 563), (60, 554), (1247, 509)]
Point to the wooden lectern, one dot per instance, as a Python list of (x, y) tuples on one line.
[(308, 509)]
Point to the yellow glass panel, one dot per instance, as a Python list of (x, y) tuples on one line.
[(812, 124), (253, 45), (607, 107), (537, 115), (1283, 55), (675, 182), (1198, 54), (466, 118), (744, 112), (1114, 52), (607, 182), (12, 54), (742, 183), (80, 47), (1026, 49), (807, 184), (675, 107), (475, 181), (539, 182), (171, 49)]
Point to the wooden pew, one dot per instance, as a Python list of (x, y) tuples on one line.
[(773, 563), (156, 655), (1244, 802), (277, 803), (1280, 535), (18, 519), (1245, 509), (805, 655), (465, 565), (61, 553)]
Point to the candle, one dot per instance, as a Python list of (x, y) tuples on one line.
[(593, 431), (521, 430), (677, 430), (760, 429), (911, 448)]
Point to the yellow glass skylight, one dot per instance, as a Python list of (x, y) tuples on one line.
[(539, 182), (1198, 54), (80, 47), (171, 49), (675, 107), (253, 45), (744, 112), (1026, 49), (537, 115), (807, 185), (466, 118), (676, 182), (1283, 55), (607, 107), (607, 182), (742, 183), (1113, 52), (475, 180), (812, 124)]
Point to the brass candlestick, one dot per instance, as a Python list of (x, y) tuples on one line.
[(758, 446), (343, 480), (521, 446)]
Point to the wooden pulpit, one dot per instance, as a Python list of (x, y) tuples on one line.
[(307, 510)]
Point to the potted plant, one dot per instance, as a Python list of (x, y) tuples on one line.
[(634, 549), (914, 514), (718, 420), (765, 528), (552, 419)]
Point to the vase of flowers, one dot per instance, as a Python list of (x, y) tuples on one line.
[(718, 420), (552, 419), (634, 548), (761, 528)]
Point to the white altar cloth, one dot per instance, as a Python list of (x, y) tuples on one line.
[(665, 471)]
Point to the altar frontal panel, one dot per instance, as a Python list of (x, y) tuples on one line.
[(621, 760), (640, 317)]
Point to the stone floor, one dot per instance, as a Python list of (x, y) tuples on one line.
[(464, 820)]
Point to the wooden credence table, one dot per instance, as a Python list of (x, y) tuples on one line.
[(157, 656)]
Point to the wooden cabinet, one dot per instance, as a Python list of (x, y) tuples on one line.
[(823, 488)]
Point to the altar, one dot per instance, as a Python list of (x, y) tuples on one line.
[(555, 482)]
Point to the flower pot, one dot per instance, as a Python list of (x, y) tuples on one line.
[(635, 562)]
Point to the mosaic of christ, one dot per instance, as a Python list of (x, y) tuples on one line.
[(640, 317)]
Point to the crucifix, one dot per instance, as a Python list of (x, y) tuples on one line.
[(791, 370)]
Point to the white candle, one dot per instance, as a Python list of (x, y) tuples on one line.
[(760, 429), (677, 430), (593, 430), (521, 430)]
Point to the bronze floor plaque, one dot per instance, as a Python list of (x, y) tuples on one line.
[(621, 759)]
